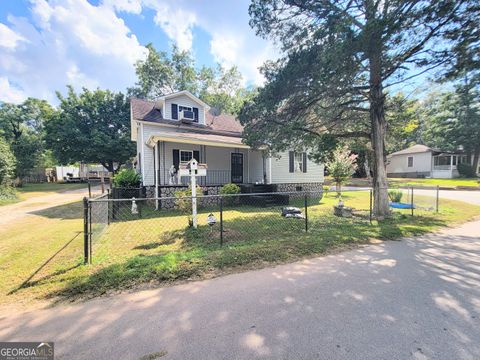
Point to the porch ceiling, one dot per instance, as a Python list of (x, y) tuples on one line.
[(199, 139)]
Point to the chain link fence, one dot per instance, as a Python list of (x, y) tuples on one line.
[(120, 226)]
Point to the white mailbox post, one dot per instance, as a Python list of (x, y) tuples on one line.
[(193, 169)]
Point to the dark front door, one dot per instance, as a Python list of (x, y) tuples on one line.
[(237, 168)]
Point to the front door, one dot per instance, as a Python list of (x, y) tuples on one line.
[(237, 168)]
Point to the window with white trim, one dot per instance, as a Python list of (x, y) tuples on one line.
[(410, 161), (298, 162), (186, 155)]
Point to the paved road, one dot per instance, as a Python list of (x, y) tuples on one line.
[(413, 299)]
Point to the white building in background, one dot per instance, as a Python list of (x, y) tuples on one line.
[(423, 161)]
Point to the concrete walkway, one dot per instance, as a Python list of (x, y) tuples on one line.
[(413, 299)]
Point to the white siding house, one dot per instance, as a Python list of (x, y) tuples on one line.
[(423, 161), (178, 127)]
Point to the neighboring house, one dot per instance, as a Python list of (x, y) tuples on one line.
[(178, 127), (423, 161)]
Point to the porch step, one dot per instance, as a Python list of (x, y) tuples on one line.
[(265, 200), (261, 188)]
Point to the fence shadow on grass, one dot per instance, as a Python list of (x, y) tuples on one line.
[(249, 242), (67, 211)]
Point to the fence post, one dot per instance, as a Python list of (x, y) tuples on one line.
[(86, 253), (90, 233), (437, 198), (108, 207), (371, 202), (306, 213), (89, 190), (221, 220), (411, 199)]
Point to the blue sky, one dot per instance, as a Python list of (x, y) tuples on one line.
[(45, 45)]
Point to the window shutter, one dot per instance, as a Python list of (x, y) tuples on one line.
[(195, 114), (291, 161), (196, 155), (175, 111), (304, 158), (176, 158)]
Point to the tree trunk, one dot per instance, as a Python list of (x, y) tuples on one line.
[(366, 166), (109, 166), (377, 119)]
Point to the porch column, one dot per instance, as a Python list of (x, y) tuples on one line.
[(157, 171), (451, 166)]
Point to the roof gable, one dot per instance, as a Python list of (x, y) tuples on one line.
[(144, 110), (186, 93)]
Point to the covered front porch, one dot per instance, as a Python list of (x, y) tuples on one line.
[(228, 160), (445, 165)]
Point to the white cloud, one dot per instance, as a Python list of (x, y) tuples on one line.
[(236, 49), (8, 38), (9, 93), (176, 23), (233, 41), (129, 6), (70, 42), (74, 42)]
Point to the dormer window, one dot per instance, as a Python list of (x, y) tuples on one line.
[(180, 112)]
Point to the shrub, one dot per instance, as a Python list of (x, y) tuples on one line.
[(7, 192), (341, 166), (228, 189), (395, 195), (127, 178), (326, 189), (466, 170), (183, 201), (7, 162)]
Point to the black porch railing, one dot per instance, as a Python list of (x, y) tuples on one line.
[(214, 177)]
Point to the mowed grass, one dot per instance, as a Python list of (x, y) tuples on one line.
[(162, 249), (443, 183), (446, 183)]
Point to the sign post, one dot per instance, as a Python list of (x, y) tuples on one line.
[(193, 169)]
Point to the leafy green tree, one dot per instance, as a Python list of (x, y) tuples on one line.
[(22, 126), (339, 57), (7, 162), (93, 126), (403, 122), (161, 74)]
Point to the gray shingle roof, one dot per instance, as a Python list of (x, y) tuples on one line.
[(146, 111)]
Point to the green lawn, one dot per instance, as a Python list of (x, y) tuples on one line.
[(448, 183), (158, 250), (444, 183)]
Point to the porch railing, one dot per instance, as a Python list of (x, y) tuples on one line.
[(441, 167), (214, 177)]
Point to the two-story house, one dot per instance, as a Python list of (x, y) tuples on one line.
[(178, 127)]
